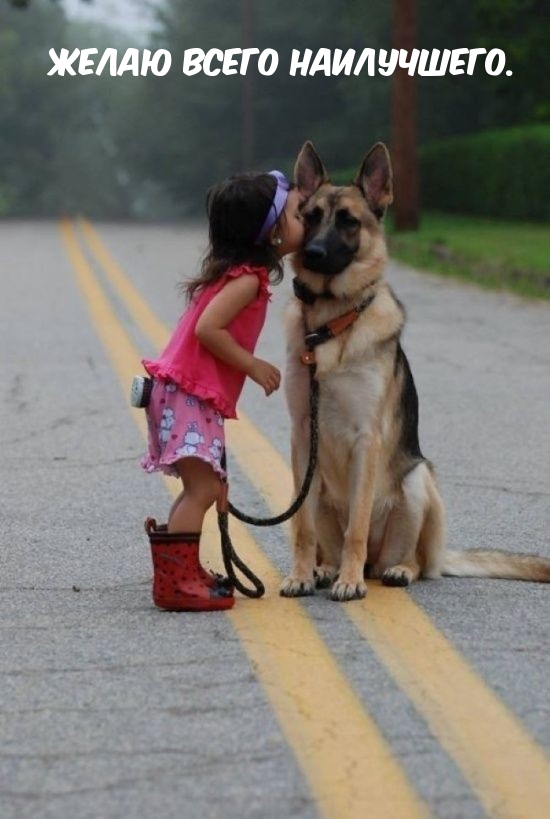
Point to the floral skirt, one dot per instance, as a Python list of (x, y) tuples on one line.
[(181, 426)]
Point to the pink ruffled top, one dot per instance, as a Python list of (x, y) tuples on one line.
[(187, 363)]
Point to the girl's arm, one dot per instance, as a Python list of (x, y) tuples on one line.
[(212, 333)]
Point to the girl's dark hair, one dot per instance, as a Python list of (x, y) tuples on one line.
[(236, 210)]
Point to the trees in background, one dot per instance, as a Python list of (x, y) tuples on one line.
[(31, 108), (150, 146), (199, 126), (404, 133), (59, 150), (522, 29)]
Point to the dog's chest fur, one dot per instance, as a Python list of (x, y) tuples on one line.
[(347, 418), (354, 372)]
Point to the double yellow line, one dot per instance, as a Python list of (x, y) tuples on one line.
[(348, 764), (346, 761)]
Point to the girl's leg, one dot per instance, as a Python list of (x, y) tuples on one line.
[(180, 583), (210, 578), (201, 489), (175, 504)]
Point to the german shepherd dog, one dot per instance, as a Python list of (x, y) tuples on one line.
[(374, 508)]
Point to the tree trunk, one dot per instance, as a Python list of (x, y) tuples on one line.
[(248, 135), (404, 135)]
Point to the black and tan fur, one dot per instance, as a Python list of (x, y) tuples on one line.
[(374, 507)]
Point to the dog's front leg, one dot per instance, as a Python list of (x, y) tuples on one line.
[(301, 581), (330, 537), (350, 584)]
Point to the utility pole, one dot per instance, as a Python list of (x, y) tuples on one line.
[(404, 137), (248, 131)]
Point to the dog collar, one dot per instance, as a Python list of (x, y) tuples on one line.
[(305, 294), (332, 328)]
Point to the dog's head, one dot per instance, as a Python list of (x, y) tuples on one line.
[(344, 248)]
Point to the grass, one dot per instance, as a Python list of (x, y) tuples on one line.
[(512, 256)]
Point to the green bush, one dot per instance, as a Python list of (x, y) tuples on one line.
[(503, 173)]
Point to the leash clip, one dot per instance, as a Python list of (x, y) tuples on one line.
[(318, 336)]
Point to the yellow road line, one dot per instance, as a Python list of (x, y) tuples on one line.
[(346, 761), (503, 764), (505, 767)]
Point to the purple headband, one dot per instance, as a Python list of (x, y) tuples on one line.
[(277, 205)]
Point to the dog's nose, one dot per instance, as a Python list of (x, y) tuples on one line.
[(314, 254)]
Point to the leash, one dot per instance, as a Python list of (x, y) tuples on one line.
[(229, 555)]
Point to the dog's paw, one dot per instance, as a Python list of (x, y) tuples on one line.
[(293, 587), (342, 591), (324, 576), (397, 576)]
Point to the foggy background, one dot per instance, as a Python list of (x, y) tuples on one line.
[(137, 17), (148, 147)]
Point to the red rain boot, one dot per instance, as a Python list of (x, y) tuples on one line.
[(212, 579), (178, 581)]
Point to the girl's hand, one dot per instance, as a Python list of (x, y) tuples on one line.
[(266, 375)]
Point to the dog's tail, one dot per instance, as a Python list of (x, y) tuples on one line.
[(504, 565)]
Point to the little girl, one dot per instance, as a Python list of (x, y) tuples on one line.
[(254, 221)]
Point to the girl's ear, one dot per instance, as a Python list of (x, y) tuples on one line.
[(375, 179), (309, 171)]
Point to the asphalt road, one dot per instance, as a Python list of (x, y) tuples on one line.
[(431, 701)]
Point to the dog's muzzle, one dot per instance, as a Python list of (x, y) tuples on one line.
[(318, 257), (314, 257)]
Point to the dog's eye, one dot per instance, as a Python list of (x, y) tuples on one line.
[(345, 219), (312, 217)]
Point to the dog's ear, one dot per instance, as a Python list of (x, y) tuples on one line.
[(309, 171), (375, 179)]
